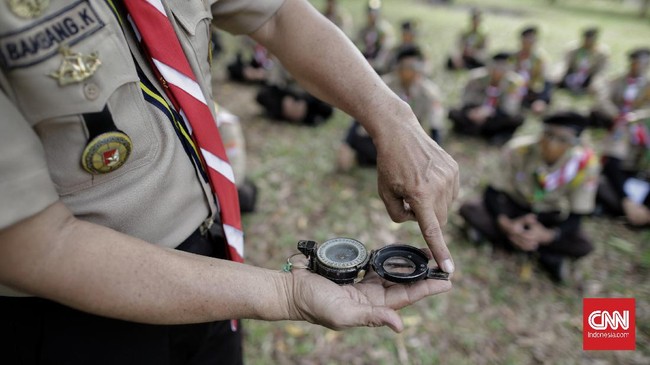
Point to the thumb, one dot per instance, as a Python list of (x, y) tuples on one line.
[(384, 316)]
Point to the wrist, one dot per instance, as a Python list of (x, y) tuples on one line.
[(283, 284)]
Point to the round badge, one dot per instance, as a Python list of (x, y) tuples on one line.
[(106, 152), (28, 9)]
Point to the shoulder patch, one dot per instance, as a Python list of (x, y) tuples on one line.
[(41, 40)]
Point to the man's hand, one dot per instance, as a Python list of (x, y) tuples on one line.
[(518, 231), (418, 181), (636, 214), (372, 302)]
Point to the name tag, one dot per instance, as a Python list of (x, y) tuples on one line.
[(41, 40)]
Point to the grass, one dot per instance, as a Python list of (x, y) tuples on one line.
[(491, 316)]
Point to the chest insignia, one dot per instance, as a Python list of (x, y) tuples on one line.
[(106, 152), (28, 9), (75, 67)]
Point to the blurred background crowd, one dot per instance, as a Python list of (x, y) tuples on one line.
[(546, 107)]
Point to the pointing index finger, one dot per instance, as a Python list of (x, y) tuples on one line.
[(432, 233)]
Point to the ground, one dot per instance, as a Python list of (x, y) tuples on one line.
[(493, 315)]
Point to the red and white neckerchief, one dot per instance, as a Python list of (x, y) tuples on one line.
[(492, 96), (565, 173), (639, 134), (160, 42)]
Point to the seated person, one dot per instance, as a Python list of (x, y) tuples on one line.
[(376, 38), (338, 16), (624, 98), (252, 62), (530, 64), (235, 145), (409, 83), (409, 35), (472, 46), (536, 199), (584, 63), (283, 99), (624, 188), (491, 102)]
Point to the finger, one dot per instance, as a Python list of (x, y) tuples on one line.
[(432, 233), (395, 207), (369, 316), (402, 295)]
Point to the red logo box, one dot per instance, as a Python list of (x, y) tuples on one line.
[(608, 324)]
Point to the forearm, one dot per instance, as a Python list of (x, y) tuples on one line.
[(330, 67), (98, 270)]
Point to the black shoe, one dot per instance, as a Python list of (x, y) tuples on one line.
[(557, 267)]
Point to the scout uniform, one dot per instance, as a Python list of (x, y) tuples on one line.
[(626, 166), (339, 16), (375, 40), (423, 96), (621, 96), (504, 99), (281, 85), (532, 71), (250, 55), (472, 45), (425, 99), (583, 66), (558, 195), (86, 122)]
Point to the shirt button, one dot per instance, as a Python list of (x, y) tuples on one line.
[(91, 90)]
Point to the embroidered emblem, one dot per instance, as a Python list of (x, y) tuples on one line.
[(28, 8), (75, 67)]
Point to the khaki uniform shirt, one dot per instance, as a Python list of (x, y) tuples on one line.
[(611, 97), (424, 97), (156, 195), (509, 100), (516, 176), (473, 43), (595, 60), (532, 70)]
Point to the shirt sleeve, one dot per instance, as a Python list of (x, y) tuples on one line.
[(243, 16), (25, 184)]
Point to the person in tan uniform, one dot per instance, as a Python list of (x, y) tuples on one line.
[(283, 99), (338, 15), (232, 136), (585, 63), (105, 253), (472, 46), (626, 155), (410, 84), (535, 201), (252, 62), (408, 40), (491, 102), (626, 97), (377, 37), (530, 64)]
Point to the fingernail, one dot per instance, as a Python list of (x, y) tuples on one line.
[(448, 266)]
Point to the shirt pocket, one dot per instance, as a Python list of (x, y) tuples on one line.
[(56, 111), (194, 19)]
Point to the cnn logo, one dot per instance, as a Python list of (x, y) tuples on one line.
[(608, 324), (601, 320)]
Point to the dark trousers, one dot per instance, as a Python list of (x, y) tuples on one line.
[(39, 331), (532, 96), (270, 97), (500, 124), (479, 217), (470, 63), (362, 144)]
